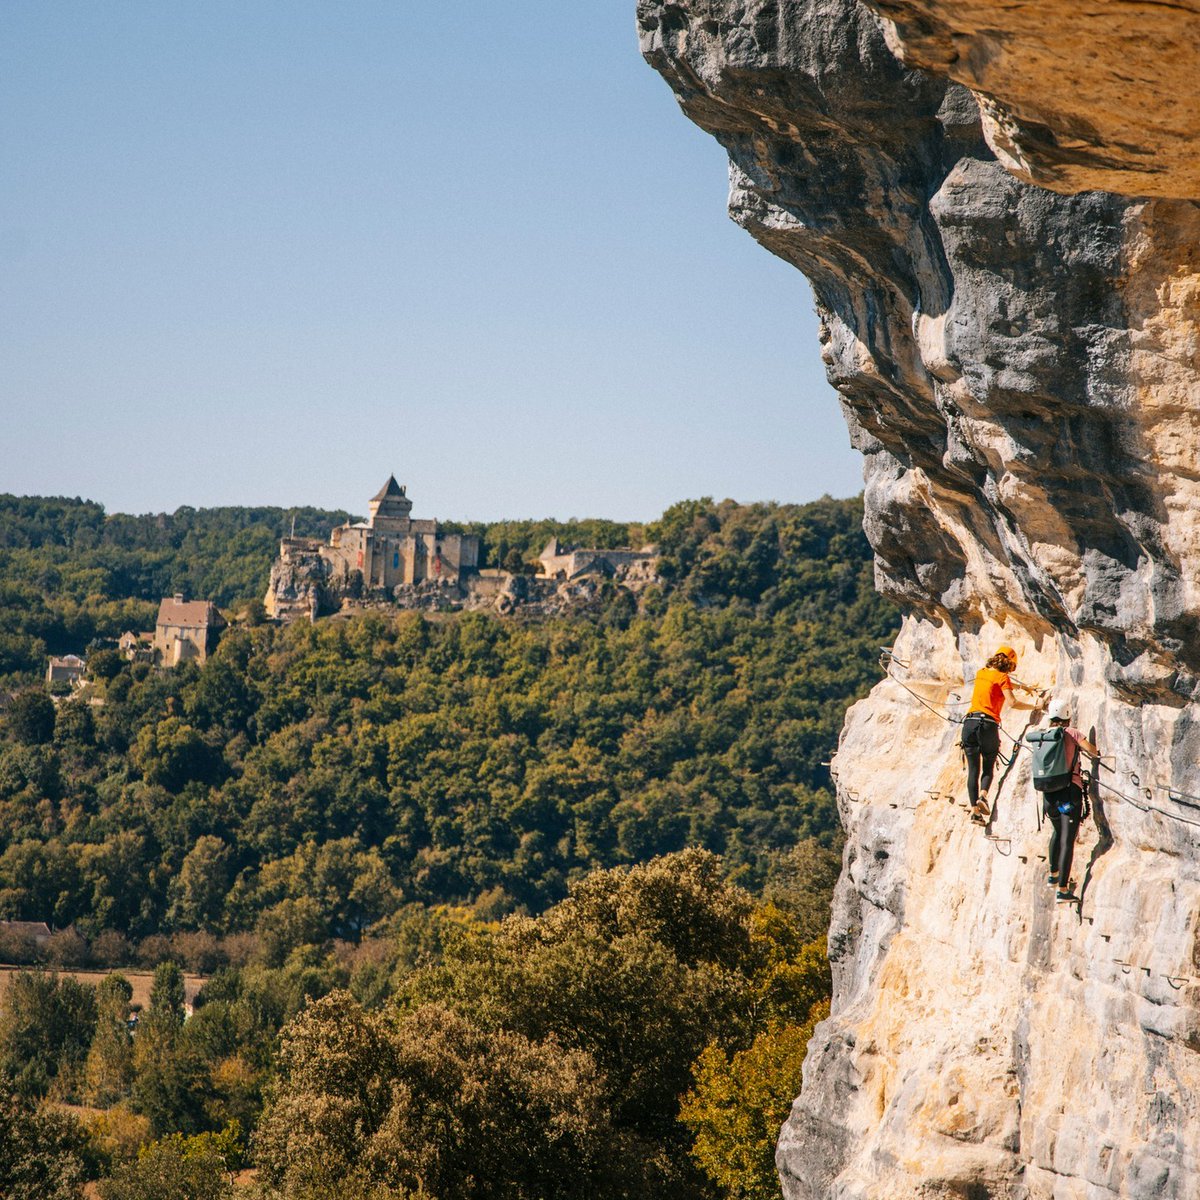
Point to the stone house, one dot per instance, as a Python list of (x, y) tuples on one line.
[(137, 647), (186, 630), (68, 669)]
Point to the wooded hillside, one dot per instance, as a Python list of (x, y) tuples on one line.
[(332, 820)]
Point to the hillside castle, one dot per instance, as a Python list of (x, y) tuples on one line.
[(391, 560), (387, 551)]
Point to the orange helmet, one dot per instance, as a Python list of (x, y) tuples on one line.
[(1008, 653)]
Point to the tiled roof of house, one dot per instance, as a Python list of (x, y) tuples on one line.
[(187, 612), (32, 929)]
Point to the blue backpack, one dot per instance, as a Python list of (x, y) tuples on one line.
[(1053, 760)]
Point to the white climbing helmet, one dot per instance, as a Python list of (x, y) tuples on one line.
[(1060, 710)]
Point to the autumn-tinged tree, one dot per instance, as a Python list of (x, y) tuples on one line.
[(638, 969), (789, 975), (739, 1103), (174, 1168), (744, 1089), (433, 1102)]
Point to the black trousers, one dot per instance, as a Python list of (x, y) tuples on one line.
[(1063, 810), (981, 745)]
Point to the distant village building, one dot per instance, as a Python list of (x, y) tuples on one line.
[(68, 669), (558, 562), (386, 552), (137, 647), (186, 630), (36, 932)]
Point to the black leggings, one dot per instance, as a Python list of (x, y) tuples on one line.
[(1063, 810), (981, 745)]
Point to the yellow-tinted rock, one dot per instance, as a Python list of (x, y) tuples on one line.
[(1075, 94)]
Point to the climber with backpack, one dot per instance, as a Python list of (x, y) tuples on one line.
[(981, 726), (1057, 774)]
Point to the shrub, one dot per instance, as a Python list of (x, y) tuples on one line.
[(176, 1168), (66, 948)]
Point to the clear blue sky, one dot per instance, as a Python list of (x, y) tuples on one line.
[(268, 252)]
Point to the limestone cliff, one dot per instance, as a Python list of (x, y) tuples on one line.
[(1020, 370)]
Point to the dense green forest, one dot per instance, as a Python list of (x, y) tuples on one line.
[(446, 818), (325, 774)]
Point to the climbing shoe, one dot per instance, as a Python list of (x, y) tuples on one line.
[(979, 813), (1052, 880), (1065, 895), (981, 807)]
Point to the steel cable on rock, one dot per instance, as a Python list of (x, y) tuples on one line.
[(948, 717), (1143, 805)]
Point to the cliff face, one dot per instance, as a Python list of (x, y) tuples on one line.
[(1021, 370)]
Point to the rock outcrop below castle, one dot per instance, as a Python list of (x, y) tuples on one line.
[(1021, 370)]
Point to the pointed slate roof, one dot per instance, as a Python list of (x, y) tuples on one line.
[(391, 488)]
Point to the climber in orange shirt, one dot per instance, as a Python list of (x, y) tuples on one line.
[(981, 726)]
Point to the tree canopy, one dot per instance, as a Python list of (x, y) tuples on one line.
[(554, 889), (311, 779)]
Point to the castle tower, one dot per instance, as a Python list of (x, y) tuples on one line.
[(389, 507)]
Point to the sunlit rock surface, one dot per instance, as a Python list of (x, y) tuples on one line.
[(1075, 94), (1020, 370)]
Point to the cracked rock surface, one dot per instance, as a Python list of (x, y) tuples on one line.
[(1021, 370)]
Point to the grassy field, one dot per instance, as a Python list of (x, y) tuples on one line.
[(139, 980)]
